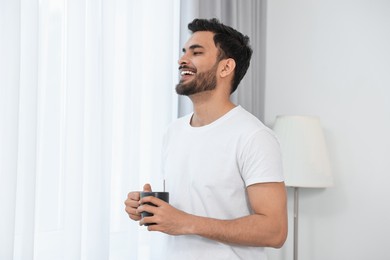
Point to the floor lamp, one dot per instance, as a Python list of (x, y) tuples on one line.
[(305, 158)]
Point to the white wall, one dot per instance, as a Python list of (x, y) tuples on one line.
[(332, 59)]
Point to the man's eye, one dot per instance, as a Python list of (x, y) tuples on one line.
[(197, 53)]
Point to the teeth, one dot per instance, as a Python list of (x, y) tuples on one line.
[(187, 72)]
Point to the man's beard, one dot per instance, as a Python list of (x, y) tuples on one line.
[(203, 81)]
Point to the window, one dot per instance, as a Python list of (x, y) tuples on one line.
[(88, 92)]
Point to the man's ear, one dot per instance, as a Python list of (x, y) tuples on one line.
[(228, 66)]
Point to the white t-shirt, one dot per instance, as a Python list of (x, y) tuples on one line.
[(207, 170)]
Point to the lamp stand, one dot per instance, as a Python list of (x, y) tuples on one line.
[(296, 206)]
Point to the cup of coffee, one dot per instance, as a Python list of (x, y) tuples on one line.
[(163, 195)]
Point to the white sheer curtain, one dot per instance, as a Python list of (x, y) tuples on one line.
[(86, 91)]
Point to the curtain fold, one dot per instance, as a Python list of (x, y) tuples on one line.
[(9, 101), (27, 130), (86, 92)]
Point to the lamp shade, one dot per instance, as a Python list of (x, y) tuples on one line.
[(304, 152)]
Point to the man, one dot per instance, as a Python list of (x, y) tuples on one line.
[(222, 166)]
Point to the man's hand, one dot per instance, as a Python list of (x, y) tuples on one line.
[(133, 201), (167, 219)]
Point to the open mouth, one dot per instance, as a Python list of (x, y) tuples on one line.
[(186, 73)]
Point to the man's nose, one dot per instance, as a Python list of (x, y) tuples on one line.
[(183, 60)]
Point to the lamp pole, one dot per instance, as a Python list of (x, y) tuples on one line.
[(296, 206)]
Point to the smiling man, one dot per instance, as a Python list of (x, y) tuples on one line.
[(221, 164), (193, 81)]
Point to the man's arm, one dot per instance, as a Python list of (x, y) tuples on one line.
[(267, 226)]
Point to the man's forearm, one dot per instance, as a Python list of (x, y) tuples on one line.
[(252, 230)]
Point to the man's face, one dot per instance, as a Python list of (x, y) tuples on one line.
[(198, 65)]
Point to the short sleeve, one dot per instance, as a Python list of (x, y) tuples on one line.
[(261, 159)]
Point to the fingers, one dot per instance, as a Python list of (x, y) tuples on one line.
[(133, 213), (149, 219), (134, 195), (132, 204), (147, 187), (147, 208), (153, 206), (150, 199)]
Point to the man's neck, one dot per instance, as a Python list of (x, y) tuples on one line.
[(208, 108)]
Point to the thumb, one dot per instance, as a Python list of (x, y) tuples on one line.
[(147, 187)]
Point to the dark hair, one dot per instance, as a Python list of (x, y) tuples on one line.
[(230, 43)]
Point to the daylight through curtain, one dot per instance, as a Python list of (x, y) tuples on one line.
[(86, 91)]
